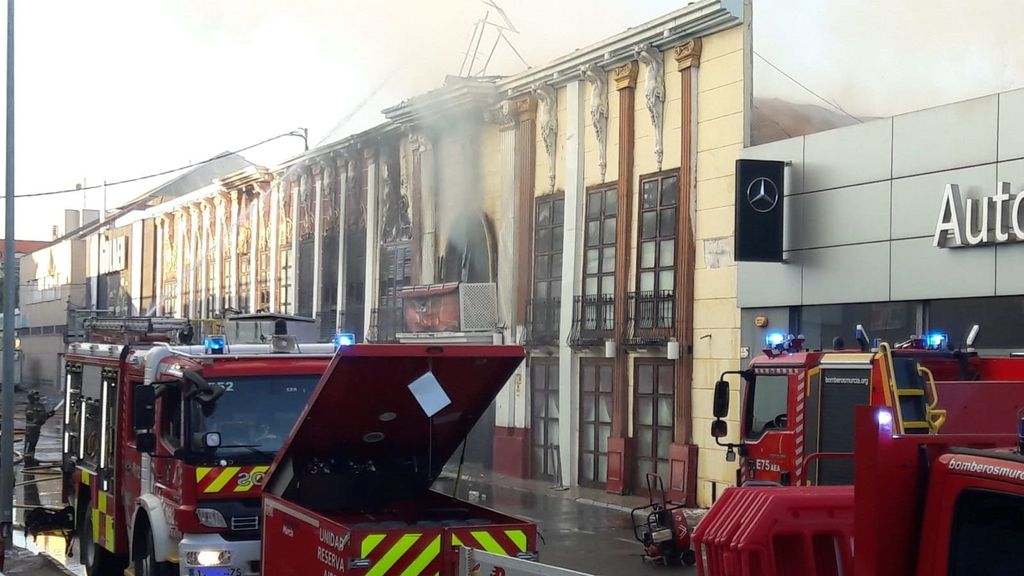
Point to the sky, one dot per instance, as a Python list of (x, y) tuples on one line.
[(879, 58), (112, 89)]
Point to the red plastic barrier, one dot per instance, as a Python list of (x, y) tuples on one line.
[(777, 531)]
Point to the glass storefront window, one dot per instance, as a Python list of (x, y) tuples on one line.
[(891, 321), (1000, 318)]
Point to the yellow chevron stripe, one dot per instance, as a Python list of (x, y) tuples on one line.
[(201, 473), (226, 476), (424, 559), (370, 542), (397, 551), (488, 542), (102, 504), (111, 542), (518, 537), (95, 526), (253, 472), (455, 541), (86, 478)]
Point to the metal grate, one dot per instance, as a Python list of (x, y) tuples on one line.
[(478, 306), (243, 523)]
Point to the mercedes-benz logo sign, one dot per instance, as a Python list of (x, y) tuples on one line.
[(762, 194)]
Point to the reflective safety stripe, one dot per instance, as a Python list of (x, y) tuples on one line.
[(225, 476), (518, 537), (488, 542), (424, 559), (370, 542), (86, 478), (381, 567)]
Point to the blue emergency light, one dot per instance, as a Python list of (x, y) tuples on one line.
[(344, 339), (773, 339), (214, 344), (936, 339)]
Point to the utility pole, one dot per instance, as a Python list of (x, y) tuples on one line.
[(7, 385)]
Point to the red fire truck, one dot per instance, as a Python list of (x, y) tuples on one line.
[(796, 420), (349, 492), (928, 505), (166, 446)]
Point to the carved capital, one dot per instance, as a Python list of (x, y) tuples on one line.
[(625, 75), (525, 108), (687, 54), (504, 114)]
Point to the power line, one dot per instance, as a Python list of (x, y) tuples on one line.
[(298, 133), (798, 83)]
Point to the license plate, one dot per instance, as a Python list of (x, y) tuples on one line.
[(214, 572)]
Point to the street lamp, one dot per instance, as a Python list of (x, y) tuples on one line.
[(301, 133)]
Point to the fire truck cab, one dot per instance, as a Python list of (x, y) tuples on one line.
[(797, 406), (167, 443)]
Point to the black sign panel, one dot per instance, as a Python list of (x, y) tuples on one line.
[(759, 210)]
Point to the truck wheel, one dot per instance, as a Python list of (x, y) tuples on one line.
[(97, 560), (689, 557), (146, 563)]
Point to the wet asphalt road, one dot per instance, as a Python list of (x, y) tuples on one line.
[(583, 537), (580, 536)]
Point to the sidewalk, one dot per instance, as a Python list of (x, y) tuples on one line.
[(578, 494), (22, 561)]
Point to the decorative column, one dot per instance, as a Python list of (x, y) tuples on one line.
[(318, 195), (683, 452), (344, 182), (620, 445), (179, 264), (235, 214), (526, 166), (372, 237), (274, 243), (218, 260), (572, 266)]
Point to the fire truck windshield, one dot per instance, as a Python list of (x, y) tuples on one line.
[(255, 414), (766, 404)]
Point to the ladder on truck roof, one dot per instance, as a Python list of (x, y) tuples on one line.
[(911, 384), (138, 329)]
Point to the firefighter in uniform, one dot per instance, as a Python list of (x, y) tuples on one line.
[(36, 415)]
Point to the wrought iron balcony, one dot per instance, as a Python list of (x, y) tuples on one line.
[(542, 318), (386, 323), (593, 320), (651, 319)]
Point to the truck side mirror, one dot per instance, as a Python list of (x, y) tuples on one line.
[(143, 407), (145, 442), (721, 401), (719, 428)]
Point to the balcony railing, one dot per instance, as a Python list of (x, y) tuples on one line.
[(386, 323), (651, 319), (593, 320), (542, 321)]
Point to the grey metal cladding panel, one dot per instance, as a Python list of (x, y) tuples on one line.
[(916, 200), (848, 156), (854, 215), (961, 134), (858, 273), (791, 150), (1009, 269), (1011, 125), (921, 271), (762, 284), (1012, 172)]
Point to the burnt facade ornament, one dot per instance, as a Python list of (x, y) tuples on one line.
[(598, 80), (654, 94), (547, 118)]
